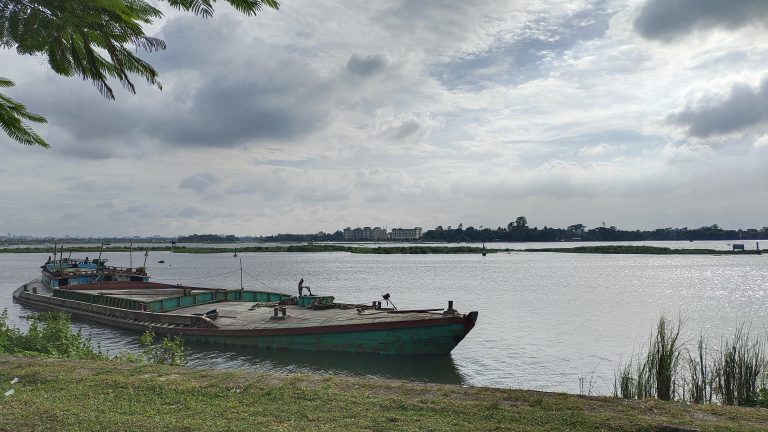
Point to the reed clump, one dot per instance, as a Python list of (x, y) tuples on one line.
[(739, 369), (656, 373), (734, 373)]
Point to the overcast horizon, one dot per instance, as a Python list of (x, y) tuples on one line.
[(639, 114)]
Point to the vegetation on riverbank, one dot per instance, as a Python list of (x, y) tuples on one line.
[(642, 250), (115, 396), (414, 249), (733, 373), (42, 391), (417, 249), (50, 335)]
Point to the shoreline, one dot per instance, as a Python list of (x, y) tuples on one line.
[(413, 248), (55, 394)]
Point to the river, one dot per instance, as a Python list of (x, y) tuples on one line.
[(548, 321)]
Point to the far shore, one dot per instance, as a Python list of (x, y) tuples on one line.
[(412, 248)]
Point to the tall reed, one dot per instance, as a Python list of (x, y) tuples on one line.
[(738, 368), (664, 357), (736, 374), (656, 372), (625, 383), (699, 375)]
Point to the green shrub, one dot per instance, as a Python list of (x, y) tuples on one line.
[(50, 334)]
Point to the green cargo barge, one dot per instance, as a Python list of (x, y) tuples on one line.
[(262, 319)]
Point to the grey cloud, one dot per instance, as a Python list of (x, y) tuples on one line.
[(666, 20), (190, 213), (447, 19), (227, 114), (366, 66), (404, 130), (525, 57), (218, 92), (742, 108), (199, 182)]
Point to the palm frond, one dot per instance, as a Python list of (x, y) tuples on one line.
[(12, 116)]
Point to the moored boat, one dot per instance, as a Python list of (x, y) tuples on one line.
[(125, 298)]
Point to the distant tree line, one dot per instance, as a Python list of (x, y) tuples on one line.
[(319, 237), (518, 230), (208, 238)]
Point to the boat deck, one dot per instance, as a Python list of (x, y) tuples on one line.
[(238, 315), (242, 315), (247, 318)]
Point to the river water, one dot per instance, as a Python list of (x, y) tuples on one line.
[(548, 321)]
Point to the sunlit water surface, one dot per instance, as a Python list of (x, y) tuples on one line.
[(548, 321)]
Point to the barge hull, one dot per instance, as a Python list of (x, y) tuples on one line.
[(417, 337), (436, 339)]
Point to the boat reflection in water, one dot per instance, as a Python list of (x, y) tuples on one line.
[(436, 369)]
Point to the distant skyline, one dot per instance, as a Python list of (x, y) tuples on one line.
[(638, 113)]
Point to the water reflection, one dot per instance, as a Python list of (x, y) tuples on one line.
[(438, 369)]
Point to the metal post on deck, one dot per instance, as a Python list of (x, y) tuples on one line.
[(102, 248)]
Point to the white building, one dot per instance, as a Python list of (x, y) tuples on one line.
[(367, 233)]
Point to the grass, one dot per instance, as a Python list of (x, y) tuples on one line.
[(115, 396), (738, 368), (735, 374)]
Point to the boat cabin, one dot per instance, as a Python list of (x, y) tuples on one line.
[(68, 271)]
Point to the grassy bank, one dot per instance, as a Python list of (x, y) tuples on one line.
[(114, 396)]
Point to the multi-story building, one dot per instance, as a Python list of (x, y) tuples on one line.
[(379, 234), (405, 233), (365, 234)]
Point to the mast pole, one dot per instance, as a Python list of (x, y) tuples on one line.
[(241, 274), (146, 254)]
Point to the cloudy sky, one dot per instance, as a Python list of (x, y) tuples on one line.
[(636, 113)]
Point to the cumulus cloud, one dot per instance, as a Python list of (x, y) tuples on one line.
[(443, 108), (595, 150), (666, 20), (526, 53), (739, 108)]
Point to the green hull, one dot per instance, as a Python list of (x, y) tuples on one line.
[(412, 333), (440, 339)]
